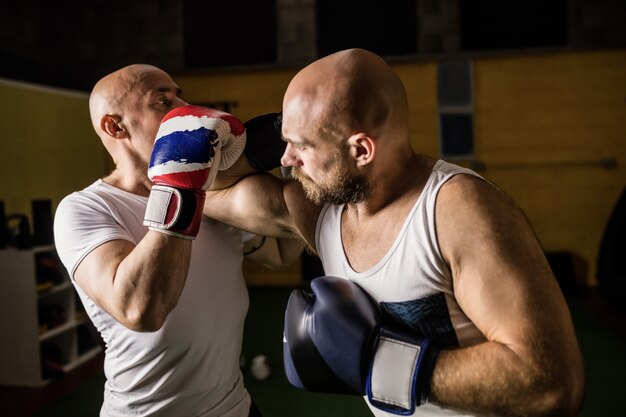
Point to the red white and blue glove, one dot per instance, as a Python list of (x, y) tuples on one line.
[(192, 144)]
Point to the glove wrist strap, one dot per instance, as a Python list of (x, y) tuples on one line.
[(399, 376), (174, 211)]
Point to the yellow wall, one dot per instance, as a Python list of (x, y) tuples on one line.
[(254, 92), (49, 146), (542, 122), (538, 120)]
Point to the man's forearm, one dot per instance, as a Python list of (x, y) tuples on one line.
[(149, 281), (491, 379)]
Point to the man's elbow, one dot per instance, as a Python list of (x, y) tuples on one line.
[(145, 320), (566, 396), (281, 262), (274, 263)]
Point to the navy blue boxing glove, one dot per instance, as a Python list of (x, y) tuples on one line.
[(335, 341)]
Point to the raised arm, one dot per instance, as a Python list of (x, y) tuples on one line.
[(530, 364), (266, 205)]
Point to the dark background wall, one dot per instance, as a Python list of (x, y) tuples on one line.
[(71, 44)]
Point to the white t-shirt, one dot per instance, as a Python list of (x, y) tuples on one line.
[(190, 367), (412, 282)]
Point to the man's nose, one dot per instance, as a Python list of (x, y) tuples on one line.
[(289, 158), (178, 102)]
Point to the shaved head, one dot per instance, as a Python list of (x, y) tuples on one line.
[(345, 117), (109, 94), (347, 92), (127, 107)]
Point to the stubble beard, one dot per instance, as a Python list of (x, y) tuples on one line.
[(338, 187)]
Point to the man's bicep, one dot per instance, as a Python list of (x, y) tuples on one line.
[(252, 204), (260, 203), (95, 274), (502, 296)]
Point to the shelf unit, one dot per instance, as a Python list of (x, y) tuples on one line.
[(43, 331)]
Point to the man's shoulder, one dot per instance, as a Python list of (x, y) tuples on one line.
[(99, 191)]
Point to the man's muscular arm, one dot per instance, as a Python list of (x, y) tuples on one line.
[(266, 205), (531, 363), (137, 285)]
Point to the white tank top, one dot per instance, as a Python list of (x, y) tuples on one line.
[(412, 282)]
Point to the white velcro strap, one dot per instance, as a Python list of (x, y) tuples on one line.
[(158, 205), (394, 373)]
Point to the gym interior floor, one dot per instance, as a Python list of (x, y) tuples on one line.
[(600, 330)]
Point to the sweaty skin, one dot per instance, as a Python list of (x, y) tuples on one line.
[(345, 121)]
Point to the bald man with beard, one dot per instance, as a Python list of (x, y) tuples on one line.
[(445, 255), (170, 308)]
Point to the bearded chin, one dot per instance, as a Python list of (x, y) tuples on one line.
[(311, 191), (353, 190), (341, 188)]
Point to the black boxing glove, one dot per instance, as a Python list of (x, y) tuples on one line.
[(265, 145)]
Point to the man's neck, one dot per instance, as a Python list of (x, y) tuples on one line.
[(395, 186), (134, 181)]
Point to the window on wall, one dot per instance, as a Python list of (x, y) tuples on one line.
[(455, 102), (493, 24), (386, 28), (229, 33)]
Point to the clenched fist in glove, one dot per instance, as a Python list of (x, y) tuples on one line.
[(265, 146), (192, 144), (335, 341)]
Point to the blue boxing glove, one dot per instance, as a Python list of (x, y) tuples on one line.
[(335, 341)]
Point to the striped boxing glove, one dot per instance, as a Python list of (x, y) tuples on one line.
[(192, 144)]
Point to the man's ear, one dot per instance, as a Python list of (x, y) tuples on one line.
[(362, 148), (111, 124)]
